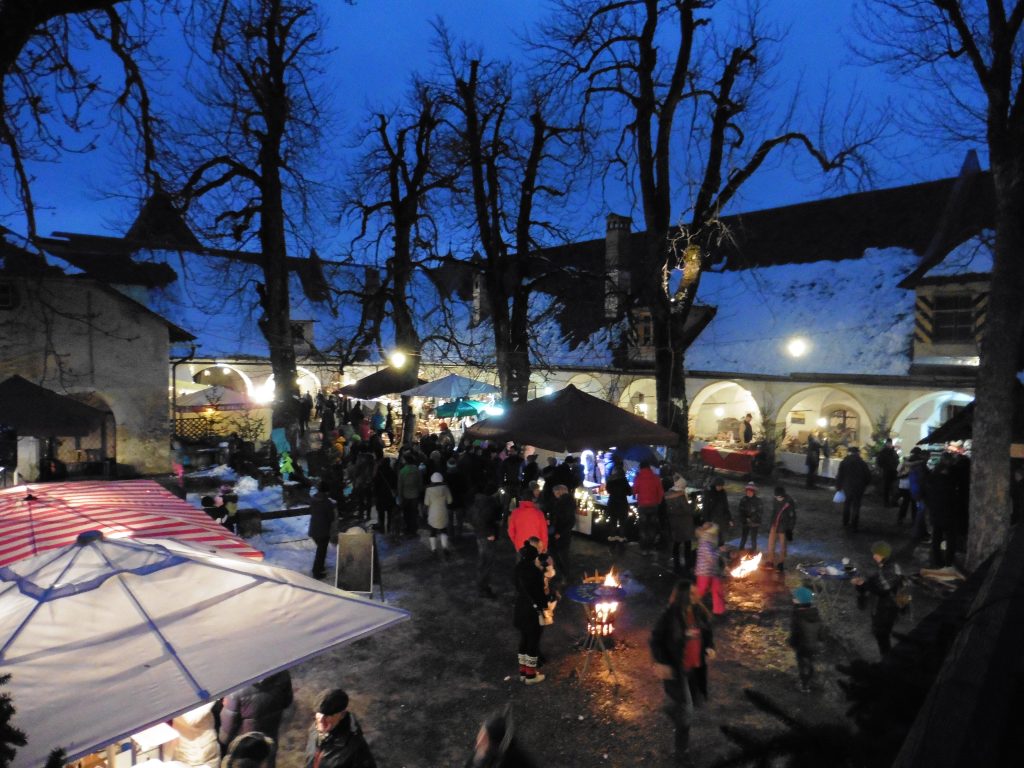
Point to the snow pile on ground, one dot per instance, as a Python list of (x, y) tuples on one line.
[(222, 472), (852, 315)]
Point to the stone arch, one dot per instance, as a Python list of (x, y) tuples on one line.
[(223, 375), (803, 410), (719, 407), (640, 397), (307, 380), (923, 414), (590, 384)]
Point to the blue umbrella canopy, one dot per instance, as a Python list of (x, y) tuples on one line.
[(458, 409)]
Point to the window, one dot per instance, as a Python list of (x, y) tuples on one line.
[(643, 329), (954, 319), (842, 424), (8, 296)]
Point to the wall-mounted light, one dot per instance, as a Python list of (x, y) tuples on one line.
[(797, 347), (397, 359), (547, 389), (719, 412), (822, 422), (225, 370)]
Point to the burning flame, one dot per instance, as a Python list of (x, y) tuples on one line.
[(748, 564), (604, 613)]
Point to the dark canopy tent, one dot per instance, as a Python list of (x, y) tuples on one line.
[(386, 381), (961, 426), (571, 420), (40, 412)]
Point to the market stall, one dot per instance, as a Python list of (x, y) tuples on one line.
[(738, 460), (105, 637), (797, 464)]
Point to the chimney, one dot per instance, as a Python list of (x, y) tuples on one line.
[(616, 261)]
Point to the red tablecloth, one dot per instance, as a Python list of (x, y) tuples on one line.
[(728, 461)]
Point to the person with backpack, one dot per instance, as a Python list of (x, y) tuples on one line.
[(681, 644)]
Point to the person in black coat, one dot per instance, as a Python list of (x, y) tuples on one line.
[(336, 740), (617, 487), (852, 479), (257, 707), (562, 514), (321, 518), (716, 508), (812, 460), (485, 517), (806, 633), (682, 642), (888, 463), (942, 499), (531, 602)]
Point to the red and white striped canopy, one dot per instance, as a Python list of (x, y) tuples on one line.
[(121, 509)]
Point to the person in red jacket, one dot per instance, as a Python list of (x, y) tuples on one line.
[(527, 520), (649, 492)]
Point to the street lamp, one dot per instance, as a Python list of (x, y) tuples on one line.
[(397, 359)]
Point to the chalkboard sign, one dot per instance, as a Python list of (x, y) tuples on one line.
[(358, 566)]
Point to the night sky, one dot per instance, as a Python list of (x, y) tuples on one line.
[(380, 42)]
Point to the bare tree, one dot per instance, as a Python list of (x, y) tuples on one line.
[(968, 55), (46, 97), (518, 158), (404, 167), (654, 64), (260, 119)]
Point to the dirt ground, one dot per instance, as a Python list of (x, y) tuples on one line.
[(421, 690)]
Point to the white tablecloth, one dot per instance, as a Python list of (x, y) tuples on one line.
[(795, 462)]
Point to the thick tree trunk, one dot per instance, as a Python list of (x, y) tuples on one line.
[(1000, 347)]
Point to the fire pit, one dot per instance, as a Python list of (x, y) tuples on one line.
[(600, 597), (747, 565)]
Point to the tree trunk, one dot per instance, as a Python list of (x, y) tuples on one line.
[(1000, 347)]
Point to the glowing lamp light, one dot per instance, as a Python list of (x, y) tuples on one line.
[(797, 347), (397, 359), (822, 422), (494, 410), (548, 390), (225, 370), (642, 408), (206, 372), (719, 412), (264, 393)]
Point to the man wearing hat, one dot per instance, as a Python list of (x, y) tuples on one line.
[(336, 740), (852, 479)]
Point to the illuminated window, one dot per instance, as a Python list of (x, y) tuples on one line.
[(953, 319)]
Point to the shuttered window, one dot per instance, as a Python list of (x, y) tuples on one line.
[(953, 319)]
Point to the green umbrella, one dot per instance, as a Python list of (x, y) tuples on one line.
[(459, 408)]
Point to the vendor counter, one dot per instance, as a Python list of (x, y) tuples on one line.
[(592, 517), (796, 463), (740, 461)]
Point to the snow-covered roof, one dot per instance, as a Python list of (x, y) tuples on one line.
[(974, 256), (852, 315)]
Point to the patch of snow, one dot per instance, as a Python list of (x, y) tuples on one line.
[(221, 471), (971, 256), (850, 313)]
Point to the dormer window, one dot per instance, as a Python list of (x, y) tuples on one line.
[(953, 319)]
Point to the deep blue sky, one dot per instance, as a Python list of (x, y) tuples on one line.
[(379, 42)]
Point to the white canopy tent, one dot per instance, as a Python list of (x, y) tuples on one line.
[(106, 637), (451, 387)]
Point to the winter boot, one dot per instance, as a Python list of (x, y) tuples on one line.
[(524, 668), (532, 676)]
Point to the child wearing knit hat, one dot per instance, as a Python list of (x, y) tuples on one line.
[(805, 635)]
